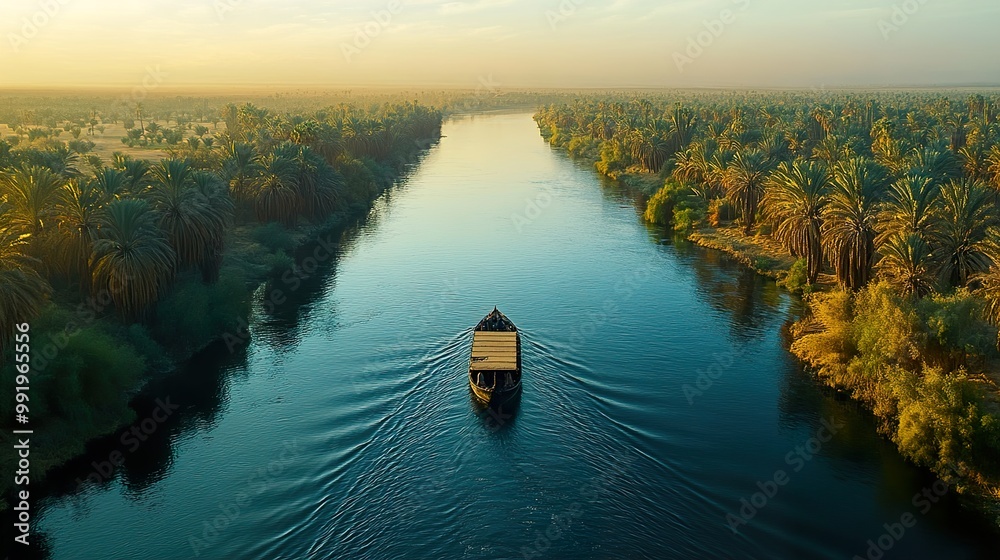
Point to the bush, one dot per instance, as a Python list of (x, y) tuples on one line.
[(797, 279), (955, 323), (221, 307), (274, 236), (584, 147), (81, 378), (672, 199)]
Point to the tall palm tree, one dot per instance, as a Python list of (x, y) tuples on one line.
[(961, 231), (908, 264), (218, 213), (192, 223), (32, 193), (276, 196), (112, 182), (909, 207), (794, 200), (78, 214), (241, 170), (850, 220), (132, 258), (744, 184), (22, 290)]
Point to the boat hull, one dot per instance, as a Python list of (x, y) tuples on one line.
[(489, 396)]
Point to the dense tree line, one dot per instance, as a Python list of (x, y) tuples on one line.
[(893, 195), (130, 227), (121, 268)]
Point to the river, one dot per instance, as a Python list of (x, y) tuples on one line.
[(658, 396)]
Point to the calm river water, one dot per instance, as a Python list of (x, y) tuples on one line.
[(658, 395)]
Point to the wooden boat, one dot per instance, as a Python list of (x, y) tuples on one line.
[(495, 365)]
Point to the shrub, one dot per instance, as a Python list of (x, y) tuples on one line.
[(274, 236), (797, 279), (221, 308)]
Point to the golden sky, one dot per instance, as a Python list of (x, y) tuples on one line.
[(509, 43)]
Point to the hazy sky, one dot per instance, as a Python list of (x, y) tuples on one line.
[(506, 43)]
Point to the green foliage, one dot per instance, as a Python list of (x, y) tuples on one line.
[(797, 279), (221, 307), (878, 345), (675, 203), (955, 322), (584, 147), (76, 366), (274, 236)]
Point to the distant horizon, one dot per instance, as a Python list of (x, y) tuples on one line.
[(444, 87)]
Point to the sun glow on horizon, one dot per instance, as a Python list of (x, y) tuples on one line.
[(512, 43)]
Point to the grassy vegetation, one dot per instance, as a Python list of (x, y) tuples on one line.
[(882, 208)]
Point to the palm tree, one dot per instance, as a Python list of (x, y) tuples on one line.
[(794, 200), (908, 264), (276, 196), (31, 193), (909, 207), (962, 229), (192, 223), (744, 184), (78, 214), (22, 290), (241, 170), (132, 258), (850, 220), (112, 182), (218, 213)]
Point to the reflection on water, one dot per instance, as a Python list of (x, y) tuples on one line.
[(362, 368)]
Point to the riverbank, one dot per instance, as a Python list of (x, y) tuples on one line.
[(85, 342), (939, 410)]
